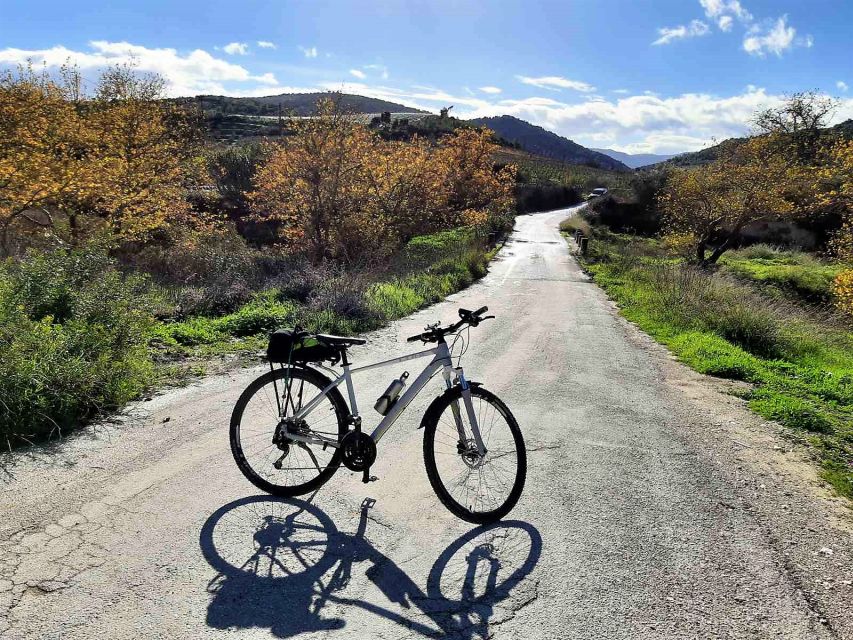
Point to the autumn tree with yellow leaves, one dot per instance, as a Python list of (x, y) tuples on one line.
[(709, 206), (338, 191), (834, 186), (73, 162)]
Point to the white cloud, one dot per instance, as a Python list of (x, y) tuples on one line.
[(695, 29), (186, 74), (775, 38), (266, 44), (842, 86), (723, 11), (490, 90), (361, 75), (645, 123), (381, 69), (556, 83), (236, 48), (308, 52)]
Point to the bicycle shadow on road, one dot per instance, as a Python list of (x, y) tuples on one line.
[(283, 565)]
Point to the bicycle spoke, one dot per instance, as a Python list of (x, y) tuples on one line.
[(478, 485), (293, 462)]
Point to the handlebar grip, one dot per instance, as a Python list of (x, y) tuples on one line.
[(480, 310), (415, 338)]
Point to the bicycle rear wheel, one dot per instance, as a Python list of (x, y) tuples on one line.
[(477, 489), (276, 464)]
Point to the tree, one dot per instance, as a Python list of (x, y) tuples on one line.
[(475, 191), (339, 191), (71, 163), (800, 119), (710, 205), (834, 186), (42, 148), (309, 185)]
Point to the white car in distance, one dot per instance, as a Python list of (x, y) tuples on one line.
[(596, 193)]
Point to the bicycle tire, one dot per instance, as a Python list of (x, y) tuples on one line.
[(431, 422), (320, 382)]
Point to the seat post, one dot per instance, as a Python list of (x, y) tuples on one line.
[(344, 359)]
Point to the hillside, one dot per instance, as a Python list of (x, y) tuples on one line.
[(635, 160), (708, 155), (293, 104), (548, 144)]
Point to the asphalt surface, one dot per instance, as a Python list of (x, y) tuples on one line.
[(655, 507)]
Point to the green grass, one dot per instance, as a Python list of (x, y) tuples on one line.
[(427, 270), (800, 367), (791, 272)]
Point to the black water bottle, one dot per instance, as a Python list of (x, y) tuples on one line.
[(389, 398)]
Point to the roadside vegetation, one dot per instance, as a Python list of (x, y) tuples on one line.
[(677, 260), (135, 250)]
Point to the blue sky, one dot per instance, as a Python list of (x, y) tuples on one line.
[(643, 76)]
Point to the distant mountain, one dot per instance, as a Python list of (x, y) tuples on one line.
[(294, 104), (635, 160), (542, 142)]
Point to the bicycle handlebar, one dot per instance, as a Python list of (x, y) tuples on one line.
[(436, 333)]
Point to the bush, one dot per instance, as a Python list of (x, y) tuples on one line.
[(343, 295), (73, 341), (625, 216), (692, 298), (204, 272), (576, 223)]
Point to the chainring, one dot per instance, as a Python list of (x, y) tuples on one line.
[(358, 451)]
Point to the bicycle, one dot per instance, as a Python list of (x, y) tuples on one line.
[(295, 444)]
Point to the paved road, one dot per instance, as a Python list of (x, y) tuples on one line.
[(655, 507)]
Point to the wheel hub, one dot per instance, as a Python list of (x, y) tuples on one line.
[(288, 425), (469, 453)]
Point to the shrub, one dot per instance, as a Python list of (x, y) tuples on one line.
[(299, 278), (761, 251), (576, 223), (73, 335), (393, 299), (343, 295), (203, 272), (843, 291), (694, 298)]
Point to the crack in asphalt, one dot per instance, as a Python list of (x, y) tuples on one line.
[(41, 561)]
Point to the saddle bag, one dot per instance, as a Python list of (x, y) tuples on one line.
[(291, 346)]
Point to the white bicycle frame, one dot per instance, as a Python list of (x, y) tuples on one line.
[(441, 360)]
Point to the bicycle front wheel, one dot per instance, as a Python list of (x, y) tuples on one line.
[(476, 488), (267, 457)]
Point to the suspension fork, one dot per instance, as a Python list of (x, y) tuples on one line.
[(469, 409)]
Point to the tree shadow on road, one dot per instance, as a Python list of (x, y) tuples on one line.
[(283, 565)]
